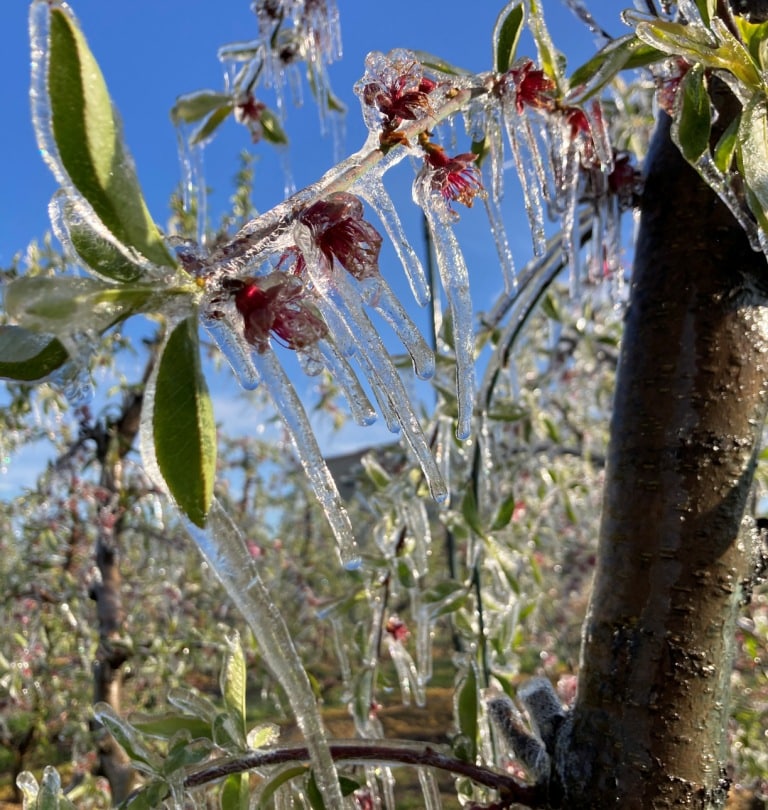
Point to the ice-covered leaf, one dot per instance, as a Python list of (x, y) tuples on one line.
[(94, 246), (504, 514), (755, 36), (623, 53), (471, 513), (166, 726), (272, 784), (211, 124), (232, 682), (26, 356), (182, 423), (693, 119), (551, 59), (61, 306), (262, 736), (506, 35), (467, 708), (429, 60), (272, 129), (753, 149), (235, 792), (80, 135), (194, 106), (129, 738), (725, 148)]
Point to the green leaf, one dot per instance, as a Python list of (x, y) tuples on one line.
[(184, 752), (263, 735), (150, 797), (504, 515), (506, 35), (166, 726), (193, 704), (232, 682), (753, 152), (183, 427), (693, 118), (235, 793), (379, 477), (271, 786), (97, 251), (211, 124), (62, 305), (471, 513), (26, 356), (755, 36), (271, 128), (467, 706), (429, 60), (726, 146), (128, 737), (624, 53), (313, 793), (706, 9), (88, 140), (551, 59), (192, 107)]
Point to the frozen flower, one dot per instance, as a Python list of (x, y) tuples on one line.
[(280, 309), (248, 112), (340, 232), (625, 181), (456, 179), (532, 87), (396, 90), (397, 628)]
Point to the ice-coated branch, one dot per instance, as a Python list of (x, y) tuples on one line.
[(382, 752)]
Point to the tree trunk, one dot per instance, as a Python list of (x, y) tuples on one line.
[(648, 729)]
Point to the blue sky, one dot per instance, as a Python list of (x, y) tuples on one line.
[(151, 51)]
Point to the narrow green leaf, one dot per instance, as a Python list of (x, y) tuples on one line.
[(128, 737), (185, 752), (313, 793), (753, 152), (471, 513), (379, 477), (551, 59), (235, 793), (726, 146), (166, 726), (467, 706), (232, 682), (211, 124), (506, 35), (706, 9), (263, 735), (194, 106), (26, 356), (271, 786), (150, 797), (429, 60), (89, 143), (183, 427), (624, 53), (504, 515), (693, 118), (272, 129)]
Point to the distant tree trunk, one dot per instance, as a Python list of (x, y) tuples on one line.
[(649, 723), (113, 443)]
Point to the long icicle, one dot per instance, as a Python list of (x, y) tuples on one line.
[(294, 417), (223, 547)]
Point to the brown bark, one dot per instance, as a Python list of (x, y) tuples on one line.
[(648, 727)]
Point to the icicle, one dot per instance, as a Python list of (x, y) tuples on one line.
[(569, 199), (224, 549), (504, 251), (414, 517), (455, 280), (378, 295), (524, 155), (339, 295), (342, 372), (496, 156), (407, 674), (234, 347), (372, 190), (294, 417), (430, 790), (423, 621)]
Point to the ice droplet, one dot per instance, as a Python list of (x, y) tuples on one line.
[(223, 548), (294, 417), (455, 280)]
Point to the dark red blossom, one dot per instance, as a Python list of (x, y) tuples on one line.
[(280, 309), (397, 628), (248, 112), (625, 181), (341, 233), (403, 98), (457, 179), (533, 88)]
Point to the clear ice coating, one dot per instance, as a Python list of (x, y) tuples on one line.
[(454, 277), (224, 549)]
